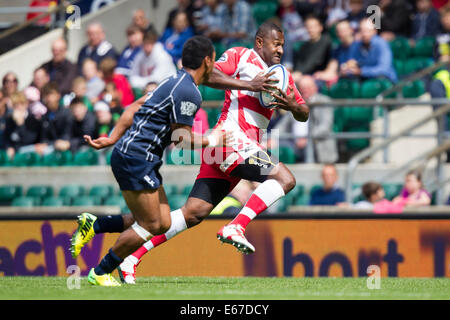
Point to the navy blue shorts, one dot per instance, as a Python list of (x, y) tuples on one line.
[(134, 173)]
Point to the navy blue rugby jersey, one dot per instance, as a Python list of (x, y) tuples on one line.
[(176, 100)]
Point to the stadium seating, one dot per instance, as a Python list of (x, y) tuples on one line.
[(8, 193), (85, 158), (87, 201), (287, 155), (424, 47), (57, 158), (400, 48), (40, 191), (177, 201), (26, 159), (345, 89), (53, 201), (101, 191), (263, 10), (70, 192), (24, 201)]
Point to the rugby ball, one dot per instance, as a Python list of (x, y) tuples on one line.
[(281, 75)]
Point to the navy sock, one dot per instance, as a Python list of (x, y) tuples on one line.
[(109, 262), (109, 224)]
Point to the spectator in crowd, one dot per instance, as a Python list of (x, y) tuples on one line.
[(426, 22), (35, 105), (442, 50), (315, 8), (61, 70), (104, 119), (152, 64), (373, 192), (10, 84), (315, 53), (237, 22), (40, 78), (95, 85), (174, 37), (135, 36), (295, 30), (112, 97), (107, 67), (340, 55), (83, 124), (182, 5), (211, 23), (140, 19), (79, 89), (356, 14), (336, 11), (413, 192), (371, 57), (22, 129), (4, 114), (395, 18), (97, 48), (57, 121), (329, 194), (322, 119)]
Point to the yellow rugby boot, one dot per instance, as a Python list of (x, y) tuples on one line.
[(84, 233), (105, 280)]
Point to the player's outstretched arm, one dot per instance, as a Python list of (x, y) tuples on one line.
[(183, 136), (220, 80), (125, 122)]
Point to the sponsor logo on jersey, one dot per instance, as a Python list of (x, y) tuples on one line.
[(188, 108)]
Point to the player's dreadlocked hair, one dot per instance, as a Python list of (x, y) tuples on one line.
[(265, 28), (195, 50)]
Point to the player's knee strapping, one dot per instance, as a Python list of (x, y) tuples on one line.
[(141, 232)]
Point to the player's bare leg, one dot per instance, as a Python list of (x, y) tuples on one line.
[(278, 183), (149, 221)]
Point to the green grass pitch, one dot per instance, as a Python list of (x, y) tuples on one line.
[(204, 288)]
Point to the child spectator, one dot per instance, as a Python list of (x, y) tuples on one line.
[(22, 129), (79, 90), (107, 67), (373, 192), (135, 36), (36, 107), (104, 119), (83, 124), (57, 121), (95, 85), (413, 192)]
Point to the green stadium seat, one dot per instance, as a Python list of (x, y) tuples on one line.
[(8, 193), (138, 92), (220, 49), (264, 10), (357, 144), (25, 159), (416, 64), (399, 66), (392, 190), (101, 191), (170, 189), (313, 188), (85, 158), (373, 87), (211, 94), (71, 191), (23, 201), (177, 201), (53, 201), (345, 89), (424, 47), (414, 89), (302, 200), (186, 190), (400, 48), (297, 45), (116, 201), (108, 157), (3, 158), (86, 201), (40, 191), (298, 190), (213, 116), (183, 157), (56, 159), (287, 155)]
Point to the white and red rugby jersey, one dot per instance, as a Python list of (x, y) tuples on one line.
[(242, 111)]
